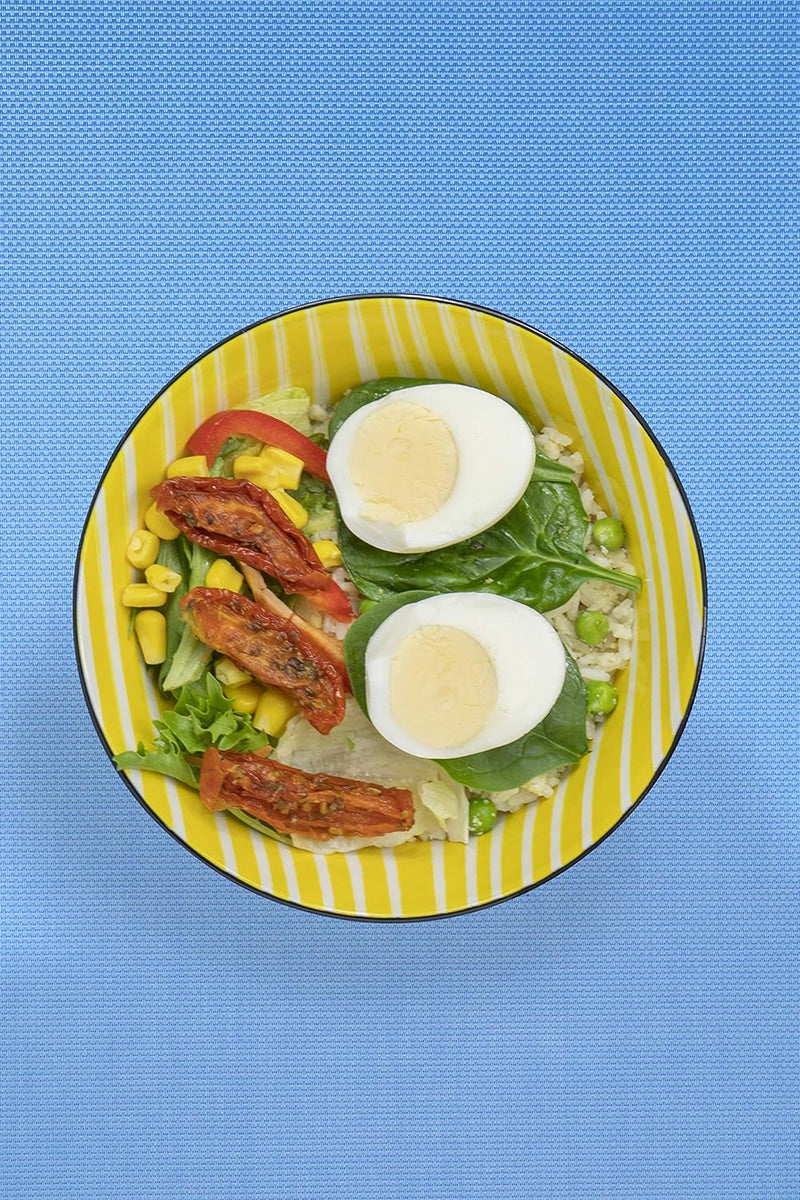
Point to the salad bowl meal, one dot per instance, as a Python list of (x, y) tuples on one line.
[(389, 607)]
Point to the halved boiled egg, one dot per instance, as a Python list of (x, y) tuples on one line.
[(428, 466), (456, 674)]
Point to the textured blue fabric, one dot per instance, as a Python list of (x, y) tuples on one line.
[(619, 175)]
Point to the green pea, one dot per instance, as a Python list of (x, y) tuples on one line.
[(609, 533), (482, 815), (601, 698), (366, 605), (591, 627)]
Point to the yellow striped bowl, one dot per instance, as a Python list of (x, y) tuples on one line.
[(327, 348)]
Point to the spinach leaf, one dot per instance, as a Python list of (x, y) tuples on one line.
[(533, 555), (365, 393), (557, 741), (547, 470)]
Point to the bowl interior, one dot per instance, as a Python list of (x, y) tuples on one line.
[(327, 348)]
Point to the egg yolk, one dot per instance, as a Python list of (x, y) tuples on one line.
[(443, 686), (404, 463)]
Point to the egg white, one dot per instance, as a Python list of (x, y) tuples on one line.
[(527, 654), (496, 455)]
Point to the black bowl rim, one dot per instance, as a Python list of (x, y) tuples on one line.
[(492, 312)]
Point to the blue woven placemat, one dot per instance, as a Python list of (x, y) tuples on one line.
[(618, 175)]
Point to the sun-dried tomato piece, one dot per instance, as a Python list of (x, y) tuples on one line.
[(236, 518), (272, 649), (294, 801)]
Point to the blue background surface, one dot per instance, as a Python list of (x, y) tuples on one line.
[(620, 176)]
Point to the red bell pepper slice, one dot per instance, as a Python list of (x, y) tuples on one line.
[(210, 437), (333, 601)]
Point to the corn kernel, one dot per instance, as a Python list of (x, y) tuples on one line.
[(273, 711), (159, 523), (143, 548), (221, 574), (286, 468), (162, 578), (230, 675), (293, 509), (151, 632), (250, 466), (328, 553), (195, 467), (142, 595), (245, 698)]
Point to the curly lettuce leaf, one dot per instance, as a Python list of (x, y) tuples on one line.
[(289, 404), (202, 717)]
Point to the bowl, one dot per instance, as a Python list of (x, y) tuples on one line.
[(327, 347)]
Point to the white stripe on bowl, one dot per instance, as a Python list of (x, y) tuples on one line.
[(439, 881), (251, 359), (526, 847), (366, 363), (287, 861), (666, 591), (357, 882), (221, 400), (588, 789), (626, 790), (228, 853), (279, 338), (85, 646), (592, 457), (496, 858), (420, 338), (322, 385), (454, 346), (262, 862), (499, 381), (392, 881), (693, 600), (523, 366), (324, 875), (471, 871), (397, 344), (609, 404), (112, 640), (555, 825)]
